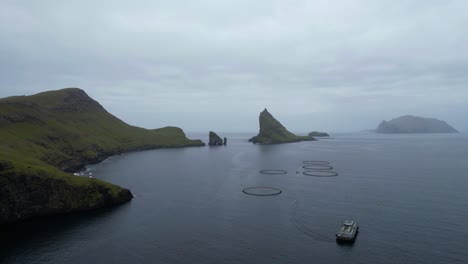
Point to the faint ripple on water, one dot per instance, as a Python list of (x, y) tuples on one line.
[(300, 225)]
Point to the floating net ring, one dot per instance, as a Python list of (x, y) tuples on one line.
[(318, 167), (316, 162), (320, 173), (273, 172), (262, 191)]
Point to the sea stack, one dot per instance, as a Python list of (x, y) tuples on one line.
[(215, 140), (413, 124), (273, 132)]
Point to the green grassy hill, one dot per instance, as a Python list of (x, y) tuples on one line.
[(45, 135), (273, 132)]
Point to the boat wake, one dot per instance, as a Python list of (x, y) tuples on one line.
[(301, 226)]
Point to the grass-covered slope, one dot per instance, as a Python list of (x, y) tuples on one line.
[(273, 132), (45, 135)]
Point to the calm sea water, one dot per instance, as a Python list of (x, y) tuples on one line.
[(409, 194)]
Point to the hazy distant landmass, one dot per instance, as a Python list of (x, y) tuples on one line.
[(43, 136), (414, 124), (273, 132)]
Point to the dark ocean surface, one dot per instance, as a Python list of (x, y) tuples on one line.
[(409, 194)]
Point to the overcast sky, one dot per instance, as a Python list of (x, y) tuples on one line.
[(214, 65)]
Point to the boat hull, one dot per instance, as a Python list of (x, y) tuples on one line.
[(340, 239)]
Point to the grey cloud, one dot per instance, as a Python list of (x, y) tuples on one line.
[(316, 64)]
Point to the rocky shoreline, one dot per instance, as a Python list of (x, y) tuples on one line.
[(79, 163), (56, 196)]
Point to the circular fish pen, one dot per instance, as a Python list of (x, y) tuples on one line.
[(273, 172), (262, 191), (316, 162), (320, 173), (317, 167)]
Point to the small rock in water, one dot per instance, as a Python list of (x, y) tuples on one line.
[(215, 140)]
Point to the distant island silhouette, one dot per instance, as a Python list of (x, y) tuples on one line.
[(413, 124)]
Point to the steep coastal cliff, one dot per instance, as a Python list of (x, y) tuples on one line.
[(43, 136)]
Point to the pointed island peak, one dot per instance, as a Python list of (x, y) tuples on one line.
[(273, 132)]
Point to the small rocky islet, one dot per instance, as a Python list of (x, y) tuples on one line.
[(215, 140), (318, 134)]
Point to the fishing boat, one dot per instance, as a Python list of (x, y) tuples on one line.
[(347, 231)]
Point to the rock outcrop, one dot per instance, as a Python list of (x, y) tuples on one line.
[(413, 124), (273, 132), (215, 140), (43, 136), (32, 194)]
